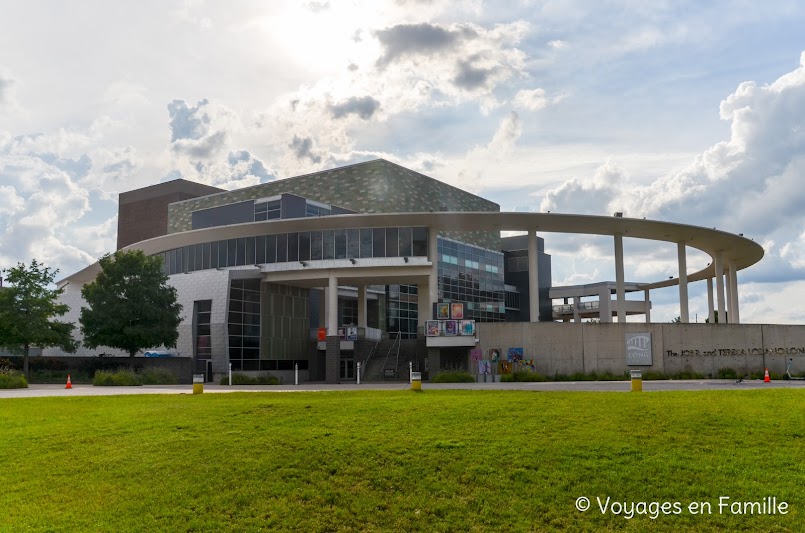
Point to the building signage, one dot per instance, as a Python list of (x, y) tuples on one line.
[(638, 349), (736, 352)]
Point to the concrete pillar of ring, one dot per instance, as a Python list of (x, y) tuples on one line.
[(719, 266), (620, 290), (711, 312), (684, 313), (735, 316), (362, 306)]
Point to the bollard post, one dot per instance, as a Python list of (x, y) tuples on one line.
[(416, 381), (359, 372), (410, 371), (198, 383), (637, 381), (296, 374), (230, 373)]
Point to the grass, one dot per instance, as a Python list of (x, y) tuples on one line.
[(396, 461)]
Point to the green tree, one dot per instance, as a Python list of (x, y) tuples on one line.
[(27, 309), (130, 305)]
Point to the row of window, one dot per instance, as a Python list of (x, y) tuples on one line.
[(243, 324), (299, 246), (268, 364)]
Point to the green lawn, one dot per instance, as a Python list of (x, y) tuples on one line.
[(395, 461)]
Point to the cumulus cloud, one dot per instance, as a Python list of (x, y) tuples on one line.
[(302, 149), (364, 107), (419, 39)]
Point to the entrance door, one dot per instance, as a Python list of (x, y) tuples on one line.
[(347, 369)]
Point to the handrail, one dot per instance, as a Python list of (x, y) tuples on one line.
[(366, 362), (397, 362), (385, 362)]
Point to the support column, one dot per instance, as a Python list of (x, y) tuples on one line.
[(604, 305), (433, 279), (711, 314), (533, 277), (719, 265), (362, 306), (576, 301), (648, 307), (619, 281), (332, 356), (684, 313), (323, 308), (733, 277), (424, 306)]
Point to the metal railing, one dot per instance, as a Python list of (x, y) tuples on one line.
[(391, 349), (366, 361)]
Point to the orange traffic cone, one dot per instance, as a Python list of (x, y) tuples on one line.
[(70, 383), (766, 378)]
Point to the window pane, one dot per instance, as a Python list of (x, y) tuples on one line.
[(282, 247), (230, 253), (199, 259), (340, 244), (315, 245), (379, 242), (392, 244), (271, 248), (419, 238), (186, 259), (366, 242), (353, 243), (205, 264), (260, 249), (304, 246), (328, 244), (241, 252), (250, 251), (405, 242), (293, 247)]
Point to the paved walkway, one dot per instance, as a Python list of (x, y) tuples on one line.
[(600, 386)]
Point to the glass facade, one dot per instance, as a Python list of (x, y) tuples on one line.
[(201, 322), (473, 275), (243, 324), (303, 246), (403, 311)]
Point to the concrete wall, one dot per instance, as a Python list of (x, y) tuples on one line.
[(566, 348)]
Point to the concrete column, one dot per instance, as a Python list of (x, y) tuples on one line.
[(424, 306), (648, 307), (619, 281), (433, 279), (576, 301), (323, 308), (362, 306), (711, 314), (734, 314), (722, 312), (533, 277), (684, 313), (332, 359), (604, 308), (332, 306)]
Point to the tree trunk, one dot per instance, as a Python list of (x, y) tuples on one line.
[(131, 359), (25, 349)]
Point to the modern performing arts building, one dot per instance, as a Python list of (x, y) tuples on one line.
[(376, 264)]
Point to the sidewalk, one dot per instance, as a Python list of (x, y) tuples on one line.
[(590, 386)]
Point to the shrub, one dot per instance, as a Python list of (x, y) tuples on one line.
[(11, 379), (117, 378), (727, 373), (158, 376), (243, 379), (522, 376), (453, 376)]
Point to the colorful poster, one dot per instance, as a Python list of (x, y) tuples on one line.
[(468, 327), (352, 333), (515, 354), (484, 367), (504, 367), (442, 311), (342, 333), (433, 328), (476, 354), (450, 327), (457, 311), (494, 354)]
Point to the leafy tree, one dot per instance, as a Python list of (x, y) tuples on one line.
[(130, 305), (27, 309)]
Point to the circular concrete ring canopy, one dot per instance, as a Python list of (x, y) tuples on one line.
[(734, 248)]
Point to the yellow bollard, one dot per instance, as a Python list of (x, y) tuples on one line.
[(416, 381), (637, 381), (198, 383)]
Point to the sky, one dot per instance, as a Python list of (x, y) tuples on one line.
[(679, 111)]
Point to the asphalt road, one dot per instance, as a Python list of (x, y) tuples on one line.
[(595, 386)]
